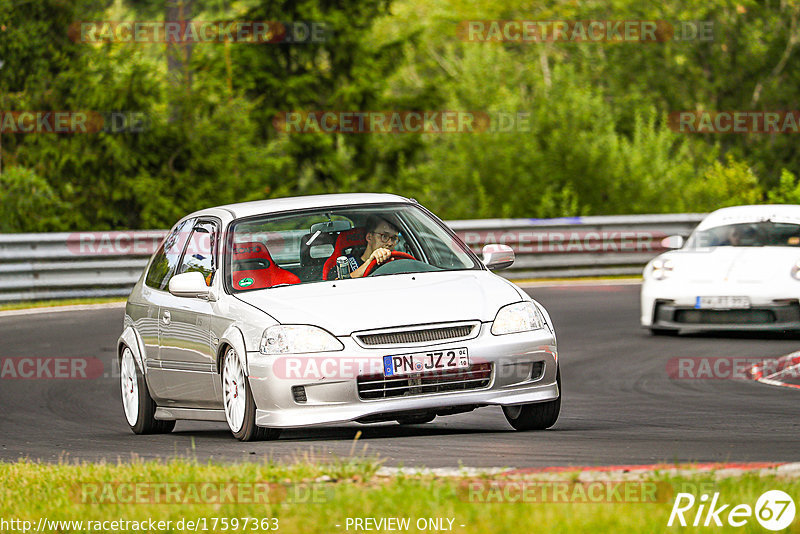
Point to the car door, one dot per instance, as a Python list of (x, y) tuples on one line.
[(188, 356), (148, 320)]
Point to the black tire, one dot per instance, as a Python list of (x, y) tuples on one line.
[(416, 419), (663, 332), (536, 416), (145, 422), (248, 431)]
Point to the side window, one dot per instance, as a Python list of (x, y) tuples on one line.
[(199, 255), (166, 259)]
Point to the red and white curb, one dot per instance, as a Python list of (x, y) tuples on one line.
[(784, 371)]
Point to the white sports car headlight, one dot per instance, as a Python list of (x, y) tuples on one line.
[(662, 269), (297, 339), (519, 317)]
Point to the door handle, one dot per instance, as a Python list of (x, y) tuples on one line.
[(166, 318)]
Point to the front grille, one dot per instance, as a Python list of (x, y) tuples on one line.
[(416, 336), (477, 376), (724, 316)]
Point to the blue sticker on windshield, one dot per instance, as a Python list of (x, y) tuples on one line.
[(387, 366)]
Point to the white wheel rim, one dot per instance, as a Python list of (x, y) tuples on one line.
[(130, 387), (233, 383), (513, 411)]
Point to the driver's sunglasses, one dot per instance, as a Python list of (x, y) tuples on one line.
[(388, 238)]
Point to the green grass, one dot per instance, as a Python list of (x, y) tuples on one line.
[(62, 302), (309, 496)]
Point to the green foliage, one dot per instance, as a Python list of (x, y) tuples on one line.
[(597, 139), (27, 202), (788, 190), (724, 185)]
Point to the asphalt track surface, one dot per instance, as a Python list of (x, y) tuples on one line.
[(619, 404)]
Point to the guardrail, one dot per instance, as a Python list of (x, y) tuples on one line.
[(107, 264)]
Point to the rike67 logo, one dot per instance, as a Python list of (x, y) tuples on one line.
[(774, 510)]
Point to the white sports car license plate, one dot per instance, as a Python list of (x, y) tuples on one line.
[(722, 303), (423, 362)]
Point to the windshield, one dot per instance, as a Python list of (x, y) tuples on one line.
[(303, 247), (758, 234)]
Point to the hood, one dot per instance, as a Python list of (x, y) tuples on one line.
[(348, 306), (734, 264)]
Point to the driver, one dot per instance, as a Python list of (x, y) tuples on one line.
[(381, 237), (742, 236)]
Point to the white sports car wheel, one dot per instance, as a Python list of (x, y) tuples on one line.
[(130, 387), (137, 404), (240, 409), (233, 381)]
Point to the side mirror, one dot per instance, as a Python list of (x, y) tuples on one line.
[(673, 241), (497, 257), (190, 285)]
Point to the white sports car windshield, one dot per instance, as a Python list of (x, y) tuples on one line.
[(303, 247), (757, 234)]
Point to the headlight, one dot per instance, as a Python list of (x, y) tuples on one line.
[(519, 317), (297, 339), (796, 270), (662, 269)]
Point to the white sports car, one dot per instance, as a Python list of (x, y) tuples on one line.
[(740, 269), (295, 312)]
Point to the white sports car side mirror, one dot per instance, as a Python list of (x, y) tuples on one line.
[(190, 285), (673, 242), (497, 257)]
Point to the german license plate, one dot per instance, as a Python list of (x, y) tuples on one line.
[(722, 303), (424, 362)]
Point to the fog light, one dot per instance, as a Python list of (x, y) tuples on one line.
[(537, 370), (299, 393)]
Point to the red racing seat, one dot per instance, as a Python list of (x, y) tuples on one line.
[(253, 268), (355, 237)]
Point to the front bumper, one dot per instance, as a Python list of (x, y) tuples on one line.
[(672, 306), (329, 380), (769, 317)]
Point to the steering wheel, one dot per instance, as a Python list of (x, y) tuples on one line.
[(396, 255)]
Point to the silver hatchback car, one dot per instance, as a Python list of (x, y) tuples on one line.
[(326, 309)]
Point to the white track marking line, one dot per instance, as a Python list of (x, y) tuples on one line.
[(57, 309)]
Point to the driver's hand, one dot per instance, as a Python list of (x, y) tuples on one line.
[(380, 255)]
